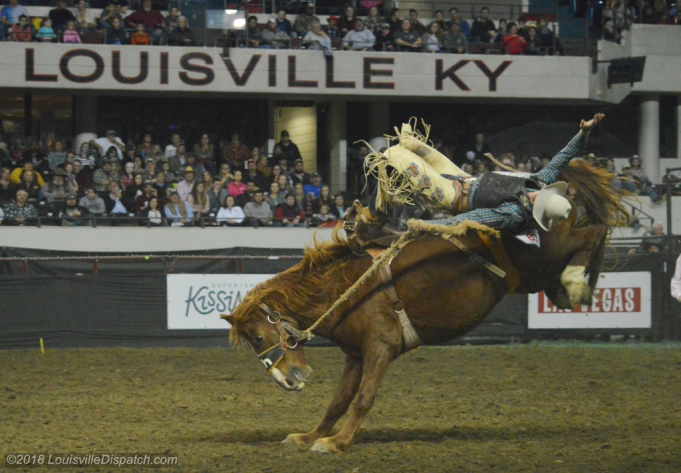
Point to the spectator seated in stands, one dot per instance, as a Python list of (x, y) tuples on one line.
[(338, 206), (235, 153), (104, 143), (178, 212), (184, 187), (72, 215), (258, 212), (483, 28), (406, 39), (20, 212), (8, 189), (84, 27), (249, 37), (60, 16), (324, 198), (464, 27), (236, 187), (108, 15), (179, 161), (46, 34), (416, 26), (55, 192), (170, 21), (332, 30), (455, 41), (182, 35), (103, 177), (394, 20), (142, 200), (535, 43), (152, 215), (146, 16), (347, 20), (133, 191), (16, 175), (93, 204), (289, 148), (273, 37), (304, 21), (316, 39), (216, 196), (513, 42), (254, 175), (359, 39), (288, 214), (112, 201), (21, 31), (315, 185), (83, 13), (230, 215), (299, 176), (38, 159), (199, 201), (9, 16), (373, 21), (70, 34), (653, 237), (246, 197), (643, 184), (116, 34), (501, 31), (283, 24), (30, 185), (140, 37), (384, 39), (432, 39), (82, 178), (325, 218)]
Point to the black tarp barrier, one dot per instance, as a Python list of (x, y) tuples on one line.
[(128, 306)]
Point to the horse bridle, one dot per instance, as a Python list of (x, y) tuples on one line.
[(289, 338)]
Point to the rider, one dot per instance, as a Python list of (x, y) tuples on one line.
[(496, 199)]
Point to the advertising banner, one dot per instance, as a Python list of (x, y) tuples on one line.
[(621, 300), (196, 301)]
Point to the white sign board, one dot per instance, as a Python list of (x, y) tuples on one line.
[(621, 300), (196, 301)]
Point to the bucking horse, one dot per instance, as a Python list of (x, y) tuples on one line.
[(433, 284)]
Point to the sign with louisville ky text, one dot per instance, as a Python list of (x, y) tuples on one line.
[(621, 300), (299, 72), (196, 301)]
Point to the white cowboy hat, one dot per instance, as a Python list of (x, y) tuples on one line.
[(550, 205)]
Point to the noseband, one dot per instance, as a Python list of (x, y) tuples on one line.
[(289, 338)]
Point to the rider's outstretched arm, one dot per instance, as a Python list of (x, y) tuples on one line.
[(551, 171), (507, 216)]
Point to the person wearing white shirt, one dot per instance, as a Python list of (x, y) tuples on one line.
[(676, 281), (104, 143), (230, 215), (359, 39), (171, 149)]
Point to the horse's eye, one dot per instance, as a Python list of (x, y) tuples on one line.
[(258, 340)]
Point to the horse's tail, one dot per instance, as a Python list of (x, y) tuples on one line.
[(595, 189)]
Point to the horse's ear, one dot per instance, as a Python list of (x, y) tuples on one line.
[(228, 318)]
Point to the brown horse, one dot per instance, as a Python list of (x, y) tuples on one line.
[(444, 292)]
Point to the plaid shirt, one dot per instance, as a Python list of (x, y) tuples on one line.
[(509, 215)]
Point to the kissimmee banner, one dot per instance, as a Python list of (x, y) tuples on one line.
[(192, 69)]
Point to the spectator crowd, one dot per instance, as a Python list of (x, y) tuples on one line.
[(150, 184)]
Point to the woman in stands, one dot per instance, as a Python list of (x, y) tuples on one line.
[(127, 176), (230, 215), (373, 21), (30, 184), (284, 186), (133, 191), (347, 21), (236, 187), (432, 39), (86, 157), (440, 20), (199, 201), (299, 194), (181, 35), (152, 215), (324, 198), (116, 34), (275, 197), (501, 31), (207, 179), (225, 175)]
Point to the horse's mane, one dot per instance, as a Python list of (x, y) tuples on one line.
[(595, 190), (301, 289)]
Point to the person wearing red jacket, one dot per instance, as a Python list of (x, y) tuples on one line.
[(288, 214), (513, 42), (146, 16)]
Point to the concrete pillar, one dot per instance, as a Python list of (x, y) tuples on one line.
[(649, 136), (379, 120), (339, 146), (678, 126), (85, 114)]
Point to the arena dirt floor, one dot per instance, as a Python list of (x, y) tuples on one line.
[(546, 408)]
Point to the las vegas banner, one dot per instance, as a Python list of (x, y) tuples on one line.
[(620, 301)]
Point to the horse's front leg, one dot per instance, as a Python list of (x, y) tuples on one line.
[(349, 383), (375, 366)]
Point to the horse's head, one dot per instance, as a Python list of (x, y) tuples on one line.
[(277, 342)]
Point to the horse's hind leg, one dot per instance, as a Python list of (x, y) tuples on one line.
[(375, 366), (352, 375)]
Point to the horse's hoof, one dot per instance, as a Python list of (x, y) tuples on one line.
[(575, 284), (296, 439), (325, 445)]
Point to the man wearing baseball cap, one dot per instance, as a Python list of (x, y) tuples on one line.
[(105, 142), (315, 185)]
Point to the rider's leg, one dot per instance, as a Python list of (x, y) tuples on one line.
[(437, 160)]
